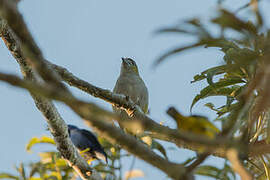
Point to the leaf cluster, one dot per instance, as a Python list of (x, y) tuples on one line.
[(246, 46)]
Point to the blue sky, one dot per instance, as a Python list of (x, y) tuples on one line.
[(89, 38)]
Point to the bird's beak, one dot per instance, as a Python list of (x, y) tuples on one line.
[(124, 60)]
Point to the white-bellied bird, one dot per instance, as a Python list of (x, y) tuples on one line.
[(87, 143)]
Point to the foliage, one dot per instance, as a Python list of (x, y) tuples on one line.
[(245, 46), (52, 166)]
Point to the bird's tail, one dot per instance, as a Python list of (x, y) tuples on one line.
[(101, 156)]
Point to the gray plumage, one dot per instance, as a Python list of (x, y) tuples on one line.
[(131, 84)]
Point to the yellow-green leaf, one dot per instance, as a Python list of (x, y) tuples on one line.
[(36, 140), (8, 176)]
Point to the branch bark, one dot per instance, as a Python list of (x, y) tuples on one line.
[(96, 118), (57, 125), (34, 56), (183, 140), (30, 58)]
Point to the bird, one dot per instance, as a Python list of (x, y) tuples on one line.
[(87, 143), (130, 84), (196, 124)]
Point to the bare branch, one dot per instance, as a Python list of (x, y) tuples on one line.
[(129, 142), (93, 116), (166, 134), (121, 101), (30, 50), (57, 125), (55, 92)]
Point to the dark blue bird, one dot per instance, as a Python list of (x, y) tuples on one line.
[(86, 142)]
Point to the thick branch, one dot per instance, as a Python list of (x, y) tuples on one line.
[(90, 113), (57, 125), (52, 91), (131, 144), (120, 101), (82, 107), (30, 50)]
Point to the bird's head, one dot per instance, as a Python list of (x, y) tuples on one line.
[(129, 66), (71, 127)]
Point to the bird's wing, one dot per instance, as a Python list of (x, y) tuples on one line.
[(134, 87), (94, 145), (92, 140)]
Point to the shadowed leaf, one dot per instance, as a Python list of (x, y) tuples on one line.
[(173, 30), (156, 145), (175, 51), (219, 88), (229, 20), (211, 171)]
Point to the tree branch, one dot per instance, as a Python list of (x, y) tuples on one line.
[(237, 166), (33, 54), (30, 50), (183, 140), (57, 125), (52, 91), (94, 116)]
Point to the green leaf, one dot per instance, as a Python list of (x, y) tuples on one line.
[(191, 27), (211, 71), (36, 140), (219, 88), (201, 31), (156, 145), (174, 30), (210, 171), (206, 41), (36, 168), (8, 176), (188, 161), (225, 109), (176, 51), (211, 106), (241, 57), (21, 170), (229, 20), (222, 43), (198, 77)]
